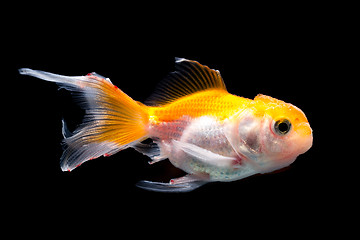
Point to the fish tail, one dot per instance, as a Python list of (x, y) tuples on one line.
[(113, 120)]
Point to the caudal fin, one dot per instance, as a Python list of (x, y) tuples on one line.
[(113, 120)]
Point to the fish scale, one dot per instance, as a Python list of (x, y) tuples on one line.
[(217, 103)]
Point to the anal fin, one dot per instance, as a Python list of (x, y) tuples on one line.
[(151, 150)]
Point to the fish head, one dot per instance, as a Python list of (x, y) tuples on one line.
[(285, 132)]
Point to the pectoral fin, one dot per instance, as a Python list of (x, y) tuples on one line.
[(205, 155)]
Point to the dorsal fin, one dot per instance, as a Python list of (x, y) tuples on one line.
[(189, 77)]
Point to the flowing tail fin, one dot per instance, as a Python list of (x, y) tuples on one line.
[(113, 120)]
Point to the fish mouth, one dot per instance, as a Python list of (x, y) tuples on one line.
[(303, 146), (307, 144), (305, 138), (304, 129)]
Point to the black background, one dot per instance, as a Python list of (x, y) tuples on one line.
[(283, 54)]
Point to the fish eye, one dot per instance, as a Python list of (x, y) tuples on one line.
[(282, 126)]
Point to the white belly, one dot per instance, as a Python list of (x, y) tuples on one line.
[(202, 148)]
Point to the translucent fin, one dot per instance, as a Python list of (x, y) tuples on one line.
[(51, 77), (113, 120), (151, 150), (65, 131), (190, 77), (204, 155), (169, 187), (186, 183)]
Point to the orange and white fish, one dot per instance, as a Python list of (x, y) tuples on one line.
[(193, 121)]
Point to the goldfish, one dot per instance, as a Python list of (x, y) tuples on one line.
[(192, 120)]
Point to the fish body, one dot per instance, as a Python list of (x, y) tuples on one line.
[(193, 121), (197, 123)]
